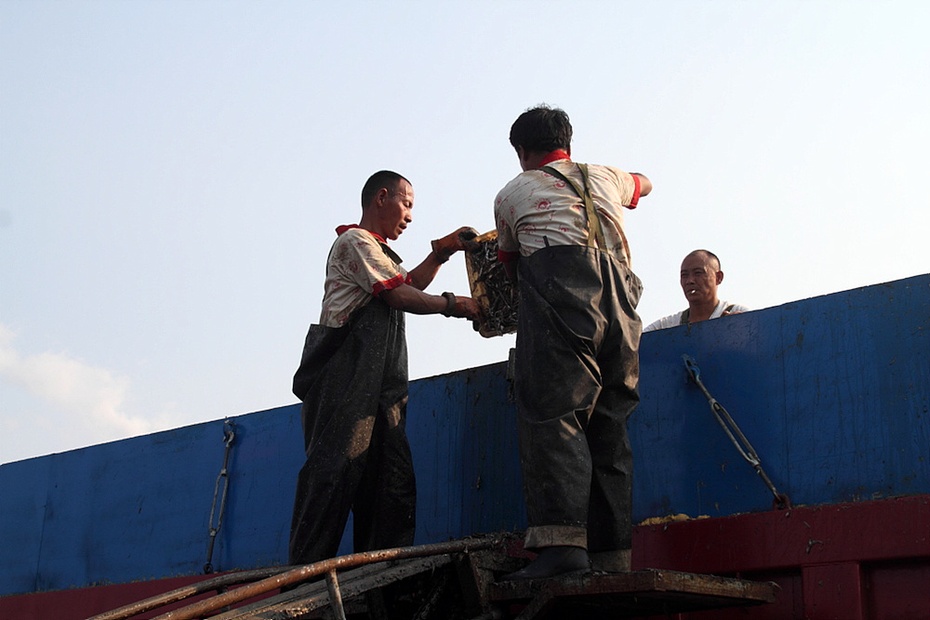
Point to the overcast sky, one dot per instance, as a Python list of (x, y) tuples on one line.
[(171, 173)]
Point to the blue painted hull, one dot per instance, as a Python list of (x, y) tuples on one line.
[(833, 392)]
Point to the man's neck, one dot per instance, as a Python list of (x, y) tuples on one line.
[(552, 156), (369, 224), (531, 160), (363, 224), (701, 310)]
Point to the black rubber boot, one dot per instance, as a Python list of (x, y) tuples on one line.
[(552, 562)]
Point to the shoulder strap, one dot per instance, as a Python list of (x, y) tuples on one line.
[(685, 314), (391, 253), (595, 233)]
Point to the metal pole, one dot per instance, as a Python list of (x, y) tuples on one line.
[(335, 595)]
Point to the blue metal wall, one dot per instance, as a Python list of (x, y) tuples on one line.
[(140, 508), (833, 392)]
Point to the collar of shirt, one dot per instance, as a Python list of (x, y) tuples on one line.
[(554, 156), (345, 227)]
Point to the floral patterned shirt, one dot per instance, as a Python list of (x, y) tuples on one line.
[(536, 209), (358, 269)]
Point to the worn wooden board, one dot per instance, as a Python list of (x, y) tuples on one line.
[(630, 595)]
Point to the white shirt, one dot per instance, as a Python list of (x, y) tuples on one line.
[(675, 319)]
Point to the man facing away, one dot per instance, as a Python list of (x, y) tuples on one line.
[(700, 276), (352, 380), (560, 227)]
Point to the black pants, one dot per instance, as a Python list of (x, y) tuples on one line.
[(358, 457), (577, 375)]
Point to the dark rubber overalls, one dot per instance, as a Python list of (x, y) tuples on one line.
[(577, 375), (353, 383)]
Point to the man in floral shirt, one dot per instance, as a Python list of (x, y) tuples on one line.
[(560, 227), (352, 380)]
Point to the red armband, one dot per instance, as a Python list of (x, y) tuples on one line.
[(636, 190), (387, 285), (507, 257)]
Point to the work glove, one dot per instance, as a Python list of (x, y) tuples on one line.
[(461, 307), (453, 242), (466, 308)]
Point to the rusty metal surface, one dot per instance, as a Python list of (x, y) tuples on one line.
[(491, 287), (179, 594), (628, 595), (297, 603)]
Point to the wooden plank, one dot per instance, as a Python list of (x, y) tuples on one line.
[(624, 595)]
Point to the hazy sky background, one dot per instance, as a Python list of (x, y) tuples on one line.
[(171, 172)]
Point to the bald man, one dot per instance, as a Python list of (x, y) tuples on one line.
[(700, 277)]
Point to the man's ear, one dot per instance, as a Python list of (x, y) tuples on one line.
[(719, 277), (381, 196)]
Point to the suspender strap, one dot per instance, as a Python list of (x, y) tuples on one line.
[(595, 232), (593, 220), (686, 314)]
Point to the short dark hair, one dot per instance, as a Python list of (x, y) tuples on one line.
[(708, 254), (382, 179), (542, 129)]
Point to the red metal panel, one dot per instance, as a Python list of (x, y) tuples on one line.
[(899, 590), (834, 591), (81, 603), (874, 531), (857, 561)]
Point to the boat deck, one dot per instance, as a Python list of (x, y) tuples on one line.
[(450, 580)]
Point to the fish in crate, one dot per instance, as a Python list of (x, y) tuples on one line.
[(491, 287)]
